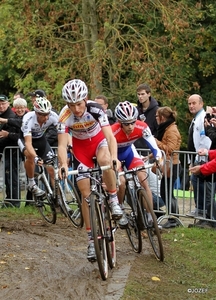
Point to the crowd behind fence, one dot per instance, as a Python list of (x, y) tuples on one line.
[(183, 188)]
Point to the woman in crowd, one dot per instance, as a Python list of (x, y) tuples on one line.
[(168, 139)]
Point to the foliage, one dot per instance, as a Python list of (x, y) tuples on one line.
[(113, 46)]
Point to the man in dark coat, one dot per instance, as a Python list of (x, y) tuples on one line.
[(11, 178), (147, 107)]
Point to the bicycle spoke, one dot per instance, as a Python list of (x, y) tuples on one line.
[(71, 203), (98, 235), (133, 230), (151, 227)]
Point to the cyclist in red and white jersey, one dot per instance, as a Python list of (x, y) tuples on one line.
[(34, 144), (126, 131), (91, 136)]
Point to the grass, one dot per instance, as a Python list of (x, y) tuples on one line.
[(18, 213), (188, 271)]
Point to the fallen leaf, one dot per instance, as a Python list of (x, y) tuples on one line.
[(154, 278)]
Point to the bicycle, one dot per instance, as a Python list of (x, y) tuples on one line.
[(136, 213), (102, 226), (57, 196)]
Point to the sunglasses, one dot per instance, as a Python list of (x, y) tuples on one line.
[(44, 115), (127, 124)]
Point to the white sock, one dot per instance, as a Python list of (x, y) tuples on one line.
[(149, 217), (31, 181)]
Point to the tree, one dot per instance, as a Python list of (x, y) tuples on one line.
[(113, 46)]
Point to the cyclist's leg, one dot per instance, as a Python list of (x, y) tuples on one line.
[(30, 165), (103, 158), (84, 187), (142, 176), (46, 152)]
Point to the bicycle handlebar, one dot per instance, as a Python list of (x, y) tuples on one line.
[(89, 170), (134, 170)]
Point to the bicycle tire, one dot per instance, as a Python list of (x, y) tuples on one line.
[(70, 202), (110, 238), (133, 230), (45, 204), (152, 230), (98, 233)]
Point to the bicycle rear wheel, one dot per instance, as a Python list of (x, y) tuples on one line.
[(98, 232), (133, 230), (110, 238), (71, 202), (45, 204), (152, 229)]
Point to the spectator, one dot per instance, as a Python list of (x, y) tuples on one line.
[(210, 125), (6, 140), (207, 169), (103, 101), (147, 107), (20, 109), (154, 184), (168, 139), (36, 93), (197, 139), (18, 95), (20, 106), (90, 130)]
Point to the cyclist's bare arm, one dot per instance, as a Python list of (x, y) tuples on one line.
[(62, 152)]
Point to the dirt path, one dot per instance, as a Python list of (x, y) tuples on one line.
[(41, 261)]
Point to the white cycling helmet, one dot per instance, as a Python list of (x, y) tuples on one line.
[(42, 105), (126, 112), (74, 91)]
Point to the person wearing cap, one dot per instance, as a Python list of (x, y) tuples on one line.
[(36, 93), (6, 131)]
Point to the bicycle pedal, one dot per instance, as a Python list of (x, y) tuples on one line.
[(39, 204)]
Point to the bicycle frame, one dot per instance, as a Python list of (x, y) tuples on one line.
[(102, 229), (140, 216)]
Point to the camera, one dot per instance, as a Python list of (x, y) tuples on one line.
[(208, 117)]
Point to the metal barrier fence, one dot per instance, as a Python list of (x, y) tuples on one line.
[(13, 187)]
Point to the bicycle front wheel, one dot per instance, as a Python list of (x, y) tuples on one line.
[(71, 203), (45, 204), (133, 230), (152, 228), (110, 237), (98, 233)]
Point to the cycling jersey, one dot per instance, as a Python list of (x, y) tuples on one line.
[(126, 149), (31, 127), (86, 130)]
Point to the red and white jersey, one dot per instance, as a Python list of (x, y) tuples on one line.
[(85, 127), (30, 125), (86, 131), (141, 129)]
